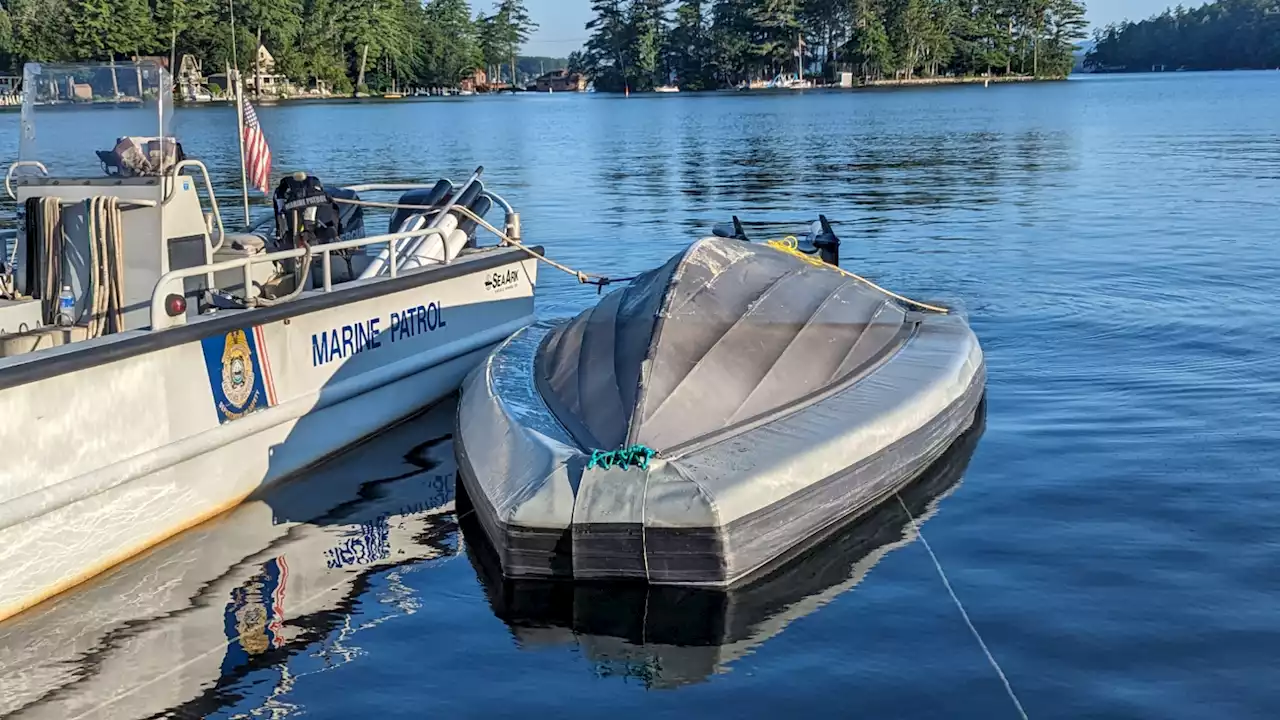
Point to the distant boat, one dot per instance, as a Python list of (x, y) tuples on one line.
[(667, 89), (392, 96), (789, 82)]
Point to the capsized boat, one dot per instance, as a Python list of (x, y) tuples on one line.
[(718, 412), (157, 367), (674, 636)]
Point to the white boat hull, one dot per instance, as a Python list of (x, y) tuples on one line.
[(166, 438)]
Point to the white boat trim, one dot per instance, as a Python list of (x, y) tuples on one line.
[(45, 500)]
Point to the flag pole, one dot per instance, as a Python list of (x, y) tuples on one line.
[(238, 93), (244, 178)]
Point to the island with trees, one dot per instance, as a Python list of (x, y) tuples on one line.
[(1222, 35), (637, 45)]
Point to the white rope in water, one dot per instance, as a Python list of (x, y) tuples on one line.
[(1008, 688)]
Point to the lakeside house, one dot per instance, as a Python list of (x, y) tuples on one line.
[(472, 83), (560, 81), (266, 81), (260, 79)]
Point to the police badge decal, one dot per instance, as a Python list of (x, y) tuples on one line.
[(235, 374)]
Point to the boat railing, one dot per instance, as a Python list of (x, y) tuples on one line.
[(213, 201), (8, 177), (511, 219), (160, 317)]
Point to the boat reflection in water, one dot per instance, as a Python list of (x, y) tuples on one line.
[(178, 630), (669, 636)]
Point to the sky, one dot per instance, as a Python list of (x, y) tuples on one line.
[(561, 21)]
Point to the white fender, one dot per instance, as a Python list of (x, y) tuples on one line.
[(380, 263)]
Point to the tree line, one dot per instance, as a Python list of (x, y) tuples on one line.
[(429, 43), (705, 44), (1223, 35)]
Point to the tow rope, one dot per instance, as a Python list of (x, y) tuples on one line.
[(599, 281)]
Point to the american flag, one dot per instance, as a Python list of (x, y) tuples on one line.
[(257, 156)]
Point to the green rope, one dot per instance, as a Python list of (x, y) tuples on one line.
[(624, 458)]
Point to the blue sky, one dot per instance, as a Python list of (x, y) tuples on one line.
[(562, 21)]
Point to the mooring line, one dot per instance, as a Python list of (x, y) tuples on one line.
[(1008, 688)]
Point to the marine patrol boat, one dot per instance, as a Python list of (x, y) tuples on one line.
[(156, 369)]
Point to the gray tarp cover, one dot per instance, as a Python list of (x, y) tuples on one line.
[(721, 334), (783, 398)]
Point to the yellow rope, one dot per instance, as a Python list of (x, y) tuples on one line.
[(790, 246)]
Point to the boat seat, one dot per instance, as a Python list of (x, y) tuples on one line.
[(350, 217), (40, 338), (243, 243), (422, 197), (344, 268), (234, 247)]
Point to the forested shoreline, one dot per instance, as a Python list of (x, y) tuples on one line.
[(707, 44), (1223, 35), (432, 43)]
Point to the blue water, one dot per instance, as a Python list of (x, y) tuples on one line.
[(1113, 537)]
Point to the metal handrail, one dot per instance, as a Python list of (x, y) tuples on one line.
[(404, 187), (506, 206), (390, 187), (160, 319), (208, 188), (8, 177)]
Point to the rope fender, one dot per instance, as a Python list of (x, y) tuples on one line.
[(623, 458)]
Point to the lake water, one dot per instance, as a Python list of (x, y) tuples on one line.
[(1113, 533)]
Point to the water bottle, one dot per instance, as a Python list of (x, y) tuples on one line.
[(66, 307)]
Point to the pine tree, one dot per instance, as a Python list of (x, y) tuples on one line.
[(489, 43), (512, 27), (775, 33), (731, 37), (456, 53), (689, 48), (646, 29), (106, 29), (604, 55)]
